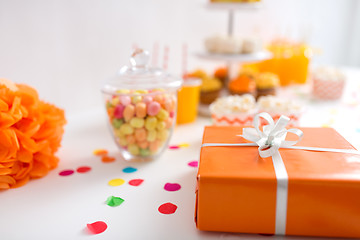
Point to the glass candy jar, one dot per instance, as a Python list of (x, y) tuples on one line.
[(141, 106)]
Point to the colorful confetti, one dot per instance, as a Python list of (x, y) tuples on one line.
[(184, 145), (167, 208), (107, 159), (83, 169), (97, 227), (193, 164), (100, 152), (116, 182), (181, 145), (67, 172), (358, 130), (172, 187), (114, 201), (136, 182), (174, 147), (129, 170)]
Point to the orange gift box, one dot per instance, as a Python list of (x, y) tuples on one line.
[(236, 188)]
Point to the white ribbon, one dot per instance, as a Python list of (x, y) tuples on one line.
[(269, 141)]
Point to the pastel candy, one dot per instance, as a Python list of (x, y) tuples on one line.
[(137, 122), (130, 139), (119, 133), (125, 100), (144, 152), (133, 149), (143, 144), (123, 142), (153, 146), (141, 119), (169, 122), (162, 114), (126, 129), (108, 105), (140, 110), (162, 134), (150, 123), (167, 104), (118, 112), (153, 108), (158, 98), (140, 134), (117, 123), (141, 91), (135, 99), (123, 91), (129, 112), (147, 99), (151, 136), (115, 101), (160, 125)]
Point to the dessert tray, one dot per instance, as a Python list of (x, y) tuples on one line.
[(245, 57)]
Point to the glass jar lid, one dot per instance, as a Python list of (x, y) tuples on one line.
[(140, 76)]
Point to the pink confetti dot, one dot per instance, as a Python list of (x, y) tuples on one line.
[(83, 169), (136, 182), (193, 164), (67, 172), (97, 227), (174, 147), (167, 208), (172, 187)]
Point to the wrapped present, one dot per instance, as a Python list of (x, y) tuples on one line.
[(311, 189)]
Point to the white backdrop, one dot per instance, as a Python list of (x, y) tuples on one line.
[(67, 48)]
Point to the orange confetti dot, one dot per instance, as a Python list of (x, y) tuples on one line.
[(107, 159), (100, 152)]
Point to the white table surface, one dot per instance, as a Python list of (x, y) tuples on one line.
[(56, 207)]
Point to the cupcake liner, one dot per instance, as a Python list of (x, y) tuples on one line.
[(327, 90), (233, 120), (294, 118)]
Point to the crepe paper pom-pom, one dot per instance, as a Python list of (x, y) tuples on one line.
[(30, 134)]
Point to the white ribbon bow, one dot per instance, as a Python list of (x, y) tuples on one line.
[(273, 135)]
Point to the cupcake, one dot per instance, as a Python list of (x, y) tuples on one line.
[(276, 107), (209, 90), (243, 84), (222, 74), (196, 74), (233, 110), (223, 44), (266, 84), (328, 83)]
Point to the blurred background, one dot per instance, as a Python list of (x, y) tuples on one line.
[(67, 49)]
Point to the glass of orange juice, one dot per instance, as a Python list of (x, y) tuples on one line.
[(290, 62), (188, 100)]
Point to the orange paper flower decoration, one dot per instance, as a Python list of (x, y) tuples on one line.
[(30, 134)]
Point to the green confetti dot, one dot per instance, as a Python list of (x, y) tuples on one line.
[(114, 201)]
